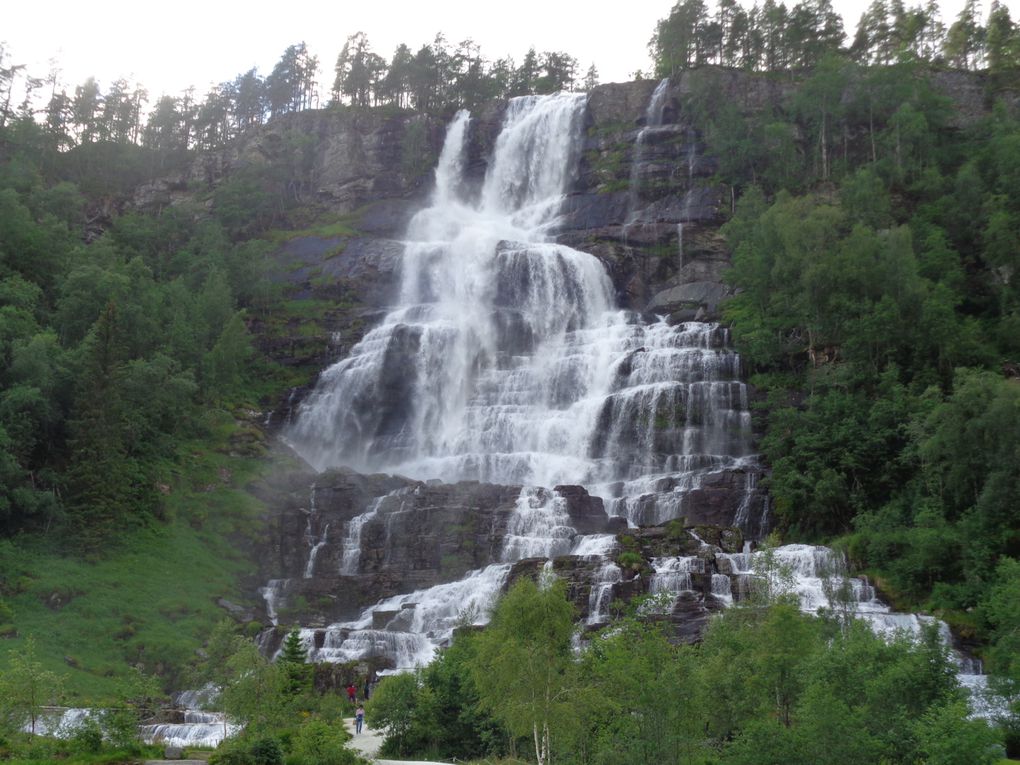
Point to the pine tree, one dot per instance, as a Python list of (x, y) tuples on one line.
[(108, 485), (293, 660)]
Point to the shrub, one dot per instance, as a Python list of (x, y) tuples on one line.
[(319, 743), (87, 736), (266, 751)]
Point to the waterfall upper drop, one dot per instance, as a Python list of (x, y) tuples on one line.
[(507, 360)]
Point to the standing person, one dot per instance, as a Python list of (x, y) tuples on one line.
[(352, 693), (359, 718)]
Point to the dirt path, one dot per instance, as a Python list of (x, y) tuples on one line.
[(367, 744)]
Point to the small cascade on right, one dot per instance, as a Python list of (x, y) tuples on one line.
[(818, 577), (601, 595), (653, 121)]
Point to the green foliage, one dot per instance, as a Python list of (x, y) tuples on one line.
[(320, 743), (416, 158), (631, 560), (293, 660), (641, 703), (255, 691), (261, 750), (768, 684), (401, 706), (26, 686), (950, 537), (88, 736), (947, 737), (523, 670), (243, 205), (225, 364), (436, 711)]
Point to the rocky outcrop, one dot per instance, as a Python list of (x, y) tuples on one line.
[(587, 513), (349, 157), (411, 535), (709, 551)]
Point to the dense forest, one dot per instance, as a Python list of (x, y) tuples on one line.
[(875, 246)]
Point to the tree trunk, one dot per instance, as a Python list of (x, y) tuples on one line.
[(871, 130), (825, 148)]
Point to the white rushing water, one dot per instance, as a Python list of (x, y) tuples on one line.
[(507, 360), (204, 729), (820, 581), (198, 728)]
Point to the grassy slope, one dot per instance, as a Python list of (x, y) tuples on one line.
[(151, 601)]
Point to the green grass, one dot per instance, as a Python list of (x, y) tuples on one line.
[(305, 309), (324, 230), (62, 755), (151, 601)]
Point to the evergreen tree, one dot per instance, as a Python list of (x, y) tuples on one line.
[(293, 660), (107, 485), (964, 42), (85, 110)]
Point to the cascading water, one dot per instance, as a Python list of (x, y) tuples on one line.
[(601, 593), (820, 582), (653, 120), (315, 542), (507, 361), (352, 541), (539, 527)]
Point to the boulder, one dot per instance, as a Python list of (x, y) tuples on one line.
[(693, 295), (587, 513)]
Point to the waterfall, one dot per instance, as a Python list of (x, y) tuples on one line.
[(671, 578), (817, 576), (204, 729), (506, 360), (271, 594), (315, 543), (351, 554), (410, 628), (673, 574), (601, 593), (538, 528)]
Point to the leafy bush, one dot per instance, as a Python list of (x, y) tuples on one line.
[(87, 736), (265, 750), (319, 743)]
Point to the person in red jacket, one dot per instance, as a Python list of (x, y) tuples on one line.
[(352, 693)]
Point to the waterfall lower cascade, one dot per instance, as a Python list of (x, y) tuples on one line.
[(818, 578), (506, 360), (191, 727)]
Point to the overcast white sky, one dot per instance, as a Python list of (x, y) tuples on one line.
[(171, 45)]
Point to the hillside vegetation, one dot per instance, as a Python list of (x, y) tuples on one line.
[(875, 242)]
